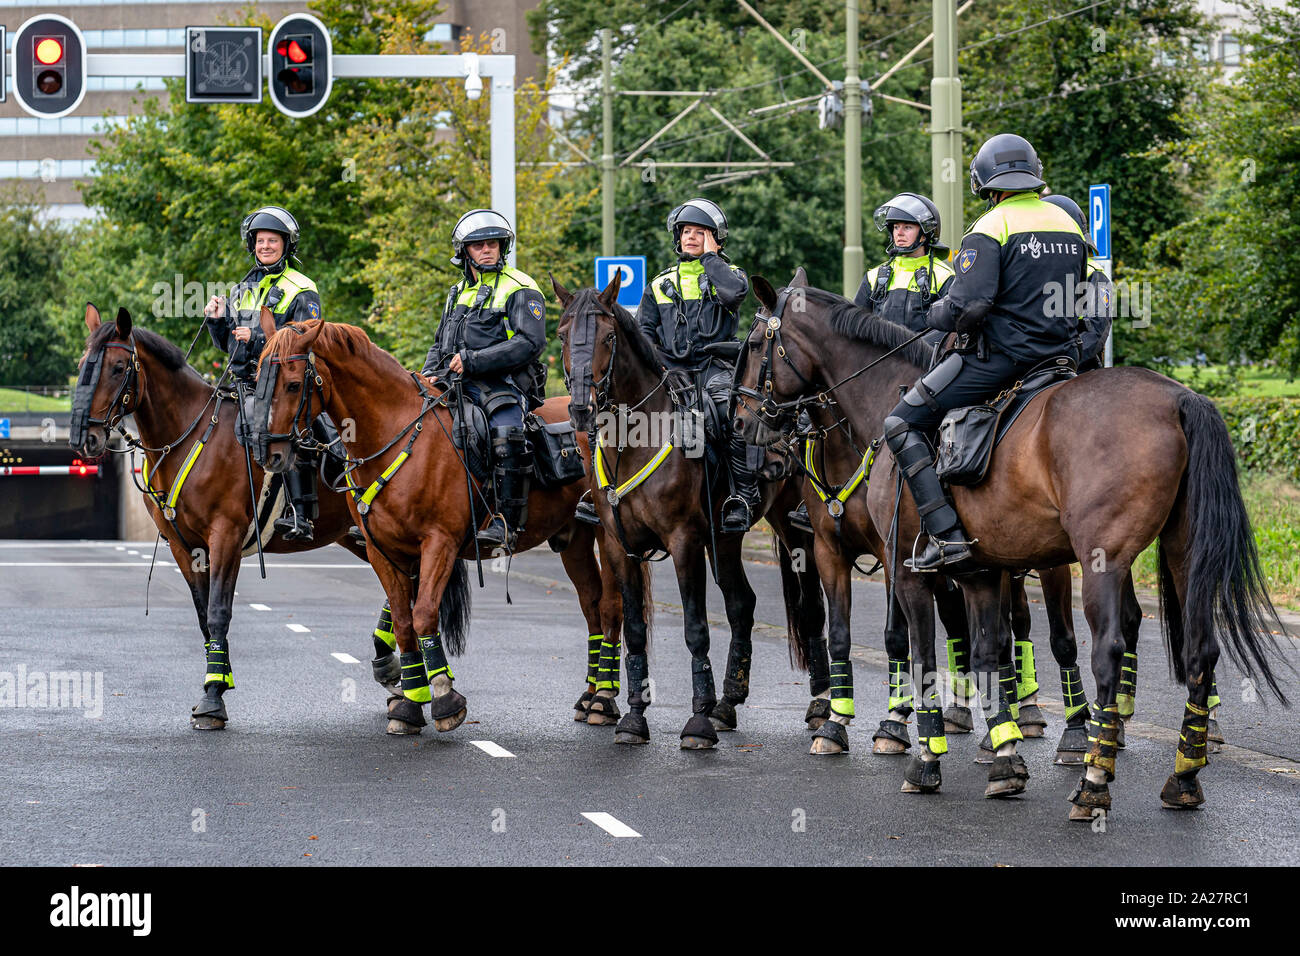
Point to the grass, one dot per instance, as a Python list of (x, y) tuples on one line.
[(1274, 507), (16, 400), (1255, 382)]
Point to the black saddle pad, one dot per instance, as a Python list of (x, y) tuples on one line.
[(473, 431), (968, 436)]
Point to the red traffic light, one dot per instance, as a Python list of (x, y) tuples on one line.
[(295, 49), (49, 50)]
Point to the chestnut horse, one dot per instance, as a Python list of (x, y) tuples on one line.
[(132, 371), (415, 509), (658, 496), (1169, 473)]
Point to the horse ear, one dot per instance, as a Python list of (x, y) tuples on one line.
[(766, 294), (267, 322), (123, 323), (561, 293), (93, 321), (609, 295), (800, 279)]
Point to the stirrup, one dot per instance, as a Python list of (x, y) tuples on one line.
[(586, 512), (799, 519), (726, 515), (952, 556), (293, 527), (496, 534)]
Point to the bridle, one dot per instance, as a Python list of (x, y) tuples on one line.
[(777, 416), (582, 350), (122, 403)]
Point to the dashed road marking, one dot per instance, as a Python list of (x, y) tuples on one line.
[(611, 825), (260, 607), (491, 749), (298, 628), (344, 658)]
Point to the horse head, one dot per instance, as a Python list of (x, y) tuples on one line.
[(290, 392), (776, 365), (588, 330), (109, 383)]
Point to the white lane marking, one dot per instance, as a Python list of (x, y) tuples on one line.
[(344, 658), (611, 825), (260, 607), (133, 552), (298, 628), (491, 749)]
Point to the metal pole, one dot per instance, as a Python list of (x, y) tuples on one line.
[(853, 254), (607, 153), (945, 123)]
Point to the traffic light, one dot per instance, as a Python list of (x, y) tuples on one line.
[(223, 64), (49, 55), (301, 70)]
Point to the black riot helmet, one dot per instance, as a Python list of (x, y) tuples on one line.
[(1005, 163), (911, 207), (478, 225), (1072, 207), (698, 212), (272, 219)]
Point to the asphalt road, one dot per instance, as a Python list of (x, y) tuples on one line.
[(305, 774)]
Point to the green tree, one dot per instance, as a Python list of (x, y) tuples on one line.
[(32, 250)]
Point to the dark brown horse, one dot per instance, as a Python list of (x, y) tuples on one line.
[(1169, 472), (206, 515), (413, 502), (653, 490)]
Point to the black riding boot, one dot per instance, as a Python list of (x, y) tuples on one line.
[(296, 522), (800, 519), (947, 546), (513, 470), (739, 510)]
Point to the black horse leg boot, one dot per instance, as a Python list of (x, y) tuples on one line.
[(947, 547), (511, 476)]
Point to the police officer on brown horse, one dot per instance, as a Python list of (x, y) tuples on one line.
[(1012, 267)]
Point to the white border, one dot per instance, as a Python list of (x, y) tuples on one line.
[(19, 35), (270, 61), (255, 97)]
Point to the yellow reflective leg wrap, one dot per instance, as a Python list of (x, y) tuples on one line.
[(219, 671), (1103, 736), (1072, 691), (1007, 683), (1191, 741), (929, 729), (609, 664), (415, 683), (1026, 674), (1214, 700), (900, 684), (1127, 692), (1004, 733), (962, 686), (435, 658), (384, 630), (593, 657), (842, 688)]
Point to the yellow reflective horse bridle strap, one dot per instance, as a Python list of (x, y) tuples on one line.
[(615, 494), (835, 501)]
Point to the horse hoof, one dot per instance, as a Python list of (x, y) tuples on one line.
[(632, 729), (1182, 793), (1031, 721), (386, 670), (446, 724), (890, 737), (698, 743), (698, 734), (597, 719), (957, 720), (1086, 814), (604, 711), (922, 776), (1068, 758), (207, 723), (831, 738), (819, 710), (823, 747), (1007, 777), (583, 705), (448, 711), (885, 745), (392, 702), (723, 715), (1073, 745), (400, 728)]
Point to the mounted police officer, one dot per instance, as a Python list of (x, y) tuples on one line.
[(492, 333), (1096, 304), (1014, 260), (695, 304), (271, 236)]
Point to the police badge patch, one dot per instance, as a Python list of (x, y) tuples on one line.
[(966, 260), (536, 309), (314, 309)]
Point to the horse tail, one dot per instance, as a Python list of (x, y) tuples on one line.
[(1171, 616), (805, 608), (453, 612), (647, 599), (1225, 590)]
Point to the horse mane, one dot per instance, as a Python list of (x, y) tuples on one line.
[(171, 357), (333, 335), (862, 325), (645, 350)]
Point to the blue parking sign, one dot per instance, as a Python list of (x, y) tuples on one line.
[(4, 428), (1099, 218), (634, 277)]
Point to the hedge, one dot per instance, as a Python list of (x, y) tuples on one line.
[(1266, 433)]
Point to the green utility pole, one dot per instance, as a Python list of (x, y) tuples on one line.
[(607, 153), (853, 255), (946, 168)]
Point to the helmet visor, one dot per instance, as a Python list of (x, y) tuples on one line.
[(905, 209), (481, 224)]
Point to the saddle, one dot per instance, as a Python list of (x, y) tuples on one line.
[(557, 460), (967, 436)]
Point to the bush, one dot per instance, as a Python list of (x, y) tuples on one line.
[(1266, 433)]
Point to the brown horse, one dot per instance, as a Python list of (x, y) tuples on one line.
[(412, 500), (1170, 473), (132, 371), (652, 492)]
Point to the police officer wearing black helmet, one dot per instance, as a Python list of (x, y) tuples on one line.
[(270, 234), (1009, 264), (492, 333), (1096, 303), (694, 304)]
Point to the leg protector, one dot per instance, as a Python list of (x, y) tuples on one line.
[(1103, 734), (842, 688), (735, 685), (1026, 673), (900, 685), (835, 731), (435, 658), (638, 682), (1076, 702), (1124, 698), (1192, 741), (415, 682), (1007, 686), (218, 671), (703, 694), (929, 730), (385, 639), (922, 776), (594, 642), (958, 667)]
